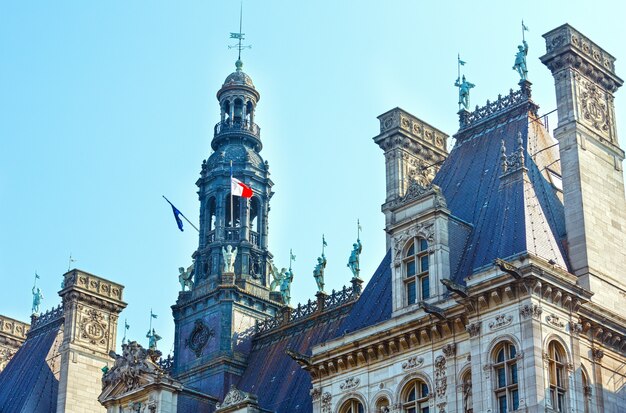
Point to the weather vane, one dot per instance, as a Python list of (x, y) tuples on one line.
[(239, 36)]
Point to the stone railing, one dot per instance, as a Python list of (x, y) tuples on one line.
[(92, 283), (492, 109), (46, 318), (301, 312), (247, 127)]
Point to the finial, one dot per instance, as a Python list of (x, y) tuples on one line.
[(239, 36), (503, 157)]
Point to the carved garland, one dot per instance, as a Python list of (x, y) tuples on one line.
[(441, 381), (500, 321), (554, 320), (412, 363), (349, 383)]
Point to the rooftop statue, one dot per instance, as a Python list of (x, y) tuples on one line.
[(318, 272), (230, 255), (37, 297), (285, 286), (464, 91), (152, 339), (353, 261), (520, 60), (185, 278), (278, 276)]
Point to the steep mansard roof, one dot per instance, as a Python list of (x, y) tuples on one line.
[(507, 217), (29, 383), (279, 382)]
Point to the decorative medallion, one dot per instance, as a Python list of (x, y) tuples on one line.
[(554, 320), (594, 110), (412, 363), (93, 328), (500, 321), (199, 337), (350, 383)]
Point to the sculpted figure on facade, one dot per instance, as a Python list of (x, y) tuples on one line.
[(353, 261), (464, 91), (152, 339), (37, 297), (185, 278), (278, 276), (230, 254), (318, 272), (285, 287), (520, 61)]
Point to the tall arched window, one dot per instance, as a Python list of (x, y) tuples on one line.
[(416, 277), (212, 213), (505, 369), (415, 397), (352, 406), (557, 376), (238, 112)]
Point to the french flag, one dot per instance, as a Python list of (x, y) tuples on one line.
[(238, 188)]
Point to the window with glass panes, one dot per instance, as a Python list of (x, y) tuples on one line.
[(382, 405), (352, 406), (557, 376), (505, 369), (416, 277), (415, 399)]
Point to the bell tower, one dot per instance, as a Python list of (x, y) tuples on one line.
[(214, 319), (236, 145)]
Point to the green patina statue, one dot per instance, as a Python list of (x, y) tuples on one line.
[(464, 91), (37, 297), (520, 60), (318, 272), (353, 261)]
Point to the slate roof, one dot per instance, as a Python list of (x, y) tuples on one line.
[(279, 382), (507, 219), (28, 384)]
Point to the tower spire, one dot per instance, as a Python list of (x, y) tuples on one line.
[(240, 37)]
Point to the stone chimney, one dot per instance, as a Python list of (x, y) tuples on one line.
[(591, 161), (90, 308)]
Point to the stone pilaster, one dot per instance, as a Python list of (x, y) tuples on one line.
[(591, 161), (90, 308)]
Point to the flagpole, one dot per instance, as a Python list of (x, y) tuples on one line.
[(181, 214), (232, 218), (523, 37)]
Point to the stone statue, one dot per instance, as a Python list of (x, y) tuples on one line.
[(353, 261), (230, 255), (152, 339), (318, 272), (185, 278), (520, 61), (464, 91), (37, 297), (285, 286), (278, 276)]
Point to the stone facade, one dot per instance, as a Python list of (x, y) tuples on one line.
[(90, 309), (12, 335)]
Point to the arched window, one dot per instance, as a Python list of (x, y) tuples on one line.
[(505, 369), (352, 406), (249, 110), (557, 376), (226, 111), (415, 397), (212, 213), (466, 386), (416, 277), (238, 112), (382, 405)]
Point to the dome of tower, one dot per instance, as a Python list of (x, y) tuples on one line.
[(238, 77)]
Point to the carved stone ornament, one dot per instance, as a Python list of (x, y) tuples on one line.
[(134, 363), (326, 402), (234, 396), (449, 350), (349, 383), (424, 230), (501, 321), (597, 354), (412, 363), (473, 329), (315, 394), (575, 328), (442, 407), (531, 310), (93, 328), (554, 320), (594, 110), (441, 381), (199, 337)]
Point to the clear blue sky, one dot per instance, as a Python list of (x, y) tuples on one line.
[(106, 106)]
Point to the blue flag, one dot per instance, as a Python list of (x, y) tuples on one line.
[(179, 221)]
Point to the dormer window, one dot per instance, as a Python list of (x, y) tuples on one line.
[(416, 275)]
